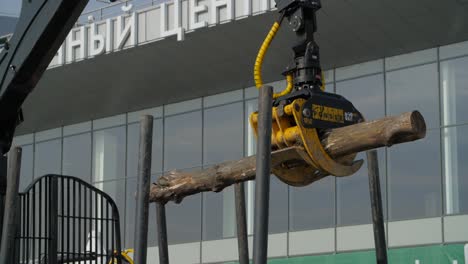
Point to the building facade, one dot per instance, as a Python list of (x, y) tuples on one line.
[(424, 183)]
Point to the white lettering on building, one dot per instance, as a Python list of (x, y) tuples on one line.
[(116, 33), (195, 10), (125, 31), (247, 7), (79, 42), (216, 5), (265, 5), (178, 29), (96, 41)]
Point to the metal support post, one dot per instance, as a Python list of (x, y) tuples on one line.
[(143, 189), (162, 233), (376, 204), (11, 202), (262, 180), (241, 219)]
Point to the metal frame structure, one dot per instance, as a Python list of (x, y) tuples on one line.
[(62, 219)]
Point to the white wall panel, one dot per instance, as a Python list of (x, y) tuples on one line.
[(354, 238), (415, 232), (219, 250), (188, 253), (456, 228), (312, 242)]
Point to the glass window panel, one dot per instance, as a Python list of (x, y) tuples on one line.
[(182, 139), (278, 222), (184, 220), (47, 158), (455, 152), (223, 140), (130, 212), (116, 190), (109, 154), (77, 156), (133, 142), (366, 94), (414, 178), (414, 89), (353, 197), (353, 200), (454, 84), (219, 215), (313, 206), (223, 134), (250, 140), (26, 173)]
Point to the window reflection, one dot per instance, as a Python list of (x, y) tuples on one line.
[(312, 206), (130, 212), (116, 190), (454, 85), (366, 94), (455, 149), (184, 220), (109, 154), (414, 89), (219, 219), (47, 158), (353, 200), (353, 197), (223, 140), (414, 178), (182, 139), (133, 142), (223, 133), (26, 172), (77, 156)]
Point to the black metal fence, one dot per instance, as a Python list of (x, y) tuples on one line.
[(63, 219)]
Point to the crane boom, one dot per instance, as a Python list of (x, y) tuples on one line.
[(42, 27)]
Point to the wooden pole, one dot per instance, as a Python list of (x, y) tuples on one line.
[(338, 142)]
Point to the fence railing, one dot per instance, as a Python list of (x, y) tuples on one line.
[(63, 219)]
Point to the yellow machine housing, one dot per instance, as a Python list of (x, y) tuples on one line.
[(309, 165)]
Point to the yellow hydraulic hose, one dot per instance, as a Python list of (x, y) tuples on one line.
[(259, 61)]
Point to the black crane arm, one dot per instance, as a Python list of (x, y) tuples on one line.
[(42, 27)]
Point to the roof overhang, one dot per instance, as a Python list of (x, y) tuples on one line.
[(220, 58)]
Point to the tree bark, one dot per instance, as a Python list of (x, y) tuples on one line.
[(338, 143)]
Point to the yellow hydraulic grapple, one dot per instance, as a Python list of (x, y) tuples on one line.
[(303, 112), (311, 164)]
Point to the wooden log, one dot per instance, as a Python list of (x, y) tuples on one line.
[(338, 142)]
